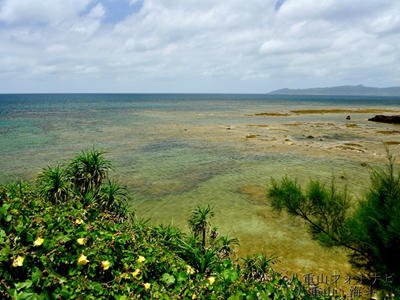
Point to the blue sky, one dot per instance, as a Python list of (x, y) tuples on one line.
[(116, 10), (233, 46)]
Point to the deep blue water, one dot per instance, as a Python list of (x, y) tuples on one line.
[(151, 100)]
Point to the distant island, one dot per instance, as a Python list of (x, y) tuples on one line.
[(345, 90)]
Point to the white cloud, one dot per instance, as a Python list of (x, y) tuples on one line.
[(42, 11), (89, 24), (134, 2), (96, 12), (191, 45)]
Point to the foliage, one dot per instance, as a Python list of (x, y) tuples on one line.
[(258, 267), (371, 231), (76, 245), (202, 260), (323, 208), (114, 197), (88, 169), (52, 184), (375, 226), (199, 221), (226, 245)]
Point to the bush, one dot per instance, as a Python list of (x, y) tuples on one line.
[(371, 232), (78, 243)]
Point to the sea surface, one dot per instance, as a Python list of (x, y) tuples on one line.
[(177, 151)]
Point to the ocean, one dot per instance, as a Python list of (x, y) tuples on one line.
[(177, 151)]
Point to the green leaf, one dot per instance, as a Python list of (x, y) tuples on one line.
[(4, 208), (182, 276), (23, 285), (230, 275), (168, 279), (29, 238), (36, 276)]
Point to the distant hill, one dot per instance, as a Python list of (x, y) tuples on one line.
[(345, 90)]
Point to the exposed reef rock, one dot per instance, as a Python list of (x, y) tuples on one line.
[(388, 131), (258, 125), (338, 111), (325, 111), (251, 136), (386, 119), (392, 143), (351, 125), (349, 148), (273, 114)]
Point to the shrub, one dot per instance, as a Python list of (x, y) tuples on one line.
[(371, 232), (53, 184), (81, 248)]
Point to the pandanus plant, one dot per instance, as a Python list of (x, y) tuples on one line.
[(226, 245), (201, 259), (257, 267), (88, 170), (53, 184), (199, 222), (168, 234), (114, 197)]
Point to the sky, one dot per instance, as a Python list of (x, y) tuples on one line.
[(196, 46)]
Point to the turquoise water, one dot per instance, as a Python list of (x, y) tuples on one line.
[(175, 152)]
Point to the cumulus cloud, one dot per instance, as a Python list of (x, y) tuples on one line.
[(43, 11), (198, 46), (134, 2)]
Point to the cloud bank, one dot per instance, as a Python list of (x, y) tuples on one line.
[(196, 46)]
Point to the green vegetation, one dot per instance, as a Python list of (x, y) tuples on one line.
[(199, 222), (370, 232), (71, 235)]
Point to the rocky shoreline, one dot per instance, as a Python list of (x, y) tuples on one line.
[(386, 119)]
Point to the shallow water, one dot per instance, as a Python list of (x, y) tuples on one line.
[(178, 151)]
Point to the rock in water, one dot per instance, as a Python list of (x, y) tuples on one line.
[(348, 118), (386, 119)]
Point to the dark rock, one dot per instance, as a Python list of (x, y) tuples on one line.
[(363, 164), (348, 118), (310, 137), (386, 119), (342, 177)]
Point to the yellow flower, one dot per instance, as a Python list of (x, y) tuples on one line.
[(146, 286), (189, 270), (18, 261), (105, 264), (211, 280), (79, 221), (194, 296), (38, 241), (135, 273), (81, 241), (141, 259), (82, 260)]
